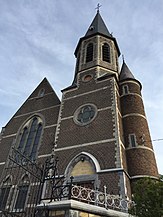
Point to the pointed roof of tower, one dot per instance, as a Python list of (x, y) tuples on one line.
[(97, 26), (125, 72)]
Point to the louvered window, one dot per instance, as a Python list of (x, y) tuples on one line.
[(106, 53), (89, 53)]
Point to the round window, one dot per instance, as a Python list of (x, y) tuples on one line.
[(85, 114), (87, 78)]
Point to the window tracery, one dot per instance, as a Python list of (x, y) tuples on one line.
[(29, 138)]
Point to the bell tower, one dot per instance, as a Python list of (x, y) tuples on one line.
[(89, 130), (102, 132), (98, 49)]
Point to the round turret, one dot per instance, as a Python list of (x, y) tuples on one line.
[(139, 150)]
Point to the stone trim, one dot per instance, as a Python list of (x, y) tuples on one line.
[(134, 94), (143, 176), (131, 81), (44, 155), (77, 205), (38, 97), (83, 94), (85, 144), (141, 147), (30, 113), (98, 110), (8, 136), (134, 114), (49, 126), (59, 121)]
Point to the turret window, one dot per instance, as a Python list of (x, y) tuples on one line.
[(89, 53), (132, 140), (106, 53), (125, 89)]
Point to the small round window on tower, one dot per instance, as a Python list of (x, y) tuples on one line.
[(87, 78)]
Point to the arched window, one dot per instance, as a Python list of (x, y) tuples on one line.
[(22, 193), (106, 53), (4, 193), (84, 171), (41, 92), (30, 137), (89, 53)]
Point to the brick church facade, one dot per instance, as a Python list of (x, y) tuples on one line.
[(98, 131)]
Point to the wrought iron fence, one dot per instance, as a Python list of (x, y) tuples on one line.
[(99, 198)]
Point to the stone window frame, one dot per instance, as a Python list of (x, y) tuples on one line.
[(84, 178), (24, 134), (7, 185), (25, 181), (132, 140), (84, 78), (76, 113), (125, 89), (41, 92)]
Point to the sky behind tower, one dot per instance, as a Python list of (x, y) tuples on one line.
[(38, 39)]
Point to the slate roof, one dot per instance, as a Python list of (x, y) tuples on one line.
[(97, 26), (125, 73)]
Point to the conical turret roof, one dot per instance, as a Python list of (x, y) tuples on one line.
[(97, 26), (125, 73)]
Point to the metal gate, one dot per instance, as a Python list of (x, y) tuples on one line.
[(21, 186)]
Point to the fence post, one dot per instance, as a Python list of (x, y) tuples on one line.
[(105, 196)]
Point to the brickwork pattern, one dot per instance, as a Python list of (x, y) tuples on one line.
[(111, 181), (132, 104), (141, 162), (139, 126), (104, 153), (100, 128)]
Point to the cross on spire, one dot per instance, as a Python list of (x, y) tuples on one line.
[(98, 7)]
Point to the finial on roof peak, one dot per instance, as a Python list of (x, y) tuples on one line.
[(123, 57), (98, 7)]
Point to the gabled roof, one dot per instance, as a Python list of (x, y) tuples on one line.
[(97, 26), (125, 73)]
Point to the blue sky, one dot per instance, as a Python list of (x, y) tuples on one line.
[(38, 39)]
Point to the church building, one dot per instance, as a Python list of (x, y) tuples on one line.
[(80, 155)]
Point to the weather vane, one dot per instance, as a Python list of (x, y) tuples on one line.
[(98, 7)]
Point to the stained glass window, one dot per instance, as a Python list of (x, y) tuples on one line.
[(30, 137)]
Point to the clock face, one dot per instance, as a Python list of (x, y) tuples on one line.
[(85, 114)]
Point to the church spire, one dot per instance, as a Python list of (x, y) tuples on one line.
[(98, 26)]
